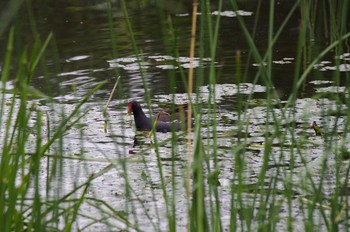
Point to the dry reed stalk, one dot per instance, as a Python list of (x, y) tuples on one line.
[(106, 106)]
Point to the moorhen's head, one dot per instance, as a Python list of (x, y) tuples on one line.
[(142, 122), (134, 107)]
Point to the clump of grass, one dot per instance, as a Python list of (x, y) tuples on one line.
[(262, 210), (261, 205), (25, 147)]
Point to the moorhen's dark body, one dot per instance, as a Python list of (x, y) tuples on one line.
[(143, 123)]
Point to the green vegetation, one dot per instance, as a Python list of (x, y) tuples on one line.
[(288, 190)]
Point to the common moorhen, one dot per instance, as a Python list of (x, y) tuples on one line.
[(143, 123)]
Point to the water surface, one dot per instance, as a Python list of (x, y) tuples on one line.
[(92, 44)]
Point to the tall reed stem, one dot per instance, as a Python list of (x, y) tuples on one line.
[(190, 90)]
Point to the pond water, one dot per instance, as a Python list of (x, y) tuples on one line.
[(81, 56)]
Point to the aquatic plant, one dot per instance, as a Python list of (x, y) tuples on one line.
[(261, 165)]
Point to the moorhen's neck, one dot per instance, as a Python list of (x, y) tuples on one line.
[(142, 122), (137, 110)]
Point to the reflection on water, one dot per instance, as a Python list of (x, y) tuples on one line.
[(159, 61), (84, 40), (122, 145)]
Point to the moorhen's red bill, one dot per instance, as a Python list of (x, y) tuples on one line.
[(143, 123)]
